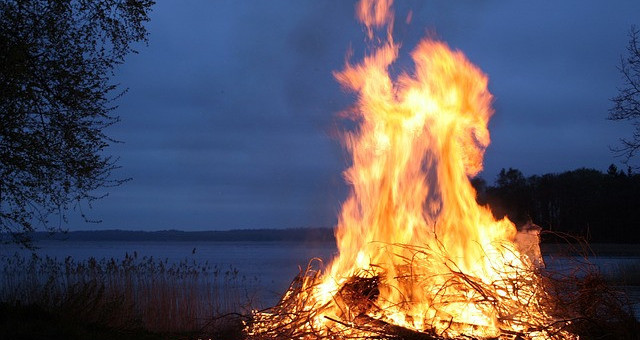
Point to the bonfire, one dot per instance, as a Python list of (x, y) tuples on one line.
[(417, 258)]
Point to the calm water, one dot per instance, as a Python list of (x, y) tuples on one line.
[(273, 265)]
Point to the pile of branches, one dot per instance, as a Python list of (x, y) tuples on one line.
[(578, 302), (292, 317), (360, 318)]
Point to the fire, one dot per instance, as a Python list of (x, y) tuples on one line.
[(416, 252)]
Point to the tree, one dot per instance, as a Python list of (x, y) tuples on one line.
[(626, 105), (583, 202), (56, 99), (510, 196), (512, 178)]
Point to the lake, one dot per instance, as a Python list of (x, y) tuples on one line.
[(270, 265)]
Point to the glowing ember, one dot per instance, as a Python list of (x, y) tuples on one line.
[(416, 252)]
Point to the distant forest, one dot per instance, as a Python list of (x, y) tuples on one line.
[(238, 235), (596, 206)]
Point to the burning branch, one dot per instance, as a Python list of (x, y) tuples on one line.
[(354, 311), (419, 258)]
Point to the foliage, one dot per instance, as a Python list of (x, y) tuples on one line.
[(603, 207), (626, 105), (56, 100)]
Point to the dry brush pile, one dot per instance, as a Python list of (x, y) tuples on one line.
[(579, 300)]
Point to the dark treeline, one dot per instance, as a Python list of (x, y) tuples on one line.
[(239, 235), (586, 203), (601, 207)]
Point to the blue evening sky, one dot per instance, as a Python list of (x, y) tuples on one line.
[(230, 116)]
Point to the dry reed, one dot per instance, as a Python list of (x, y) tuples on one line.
[(145, 293)]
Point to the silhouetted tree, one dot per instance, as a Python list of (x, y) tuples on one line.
[(510, 196), (585, 202), (56, 99), (612, 170), (626, 105)]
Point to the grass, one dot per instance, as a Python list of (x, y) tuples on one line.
[(35, 322), (137, 298)]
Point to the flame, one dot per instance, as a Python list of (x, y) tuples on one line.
[(415, 248)]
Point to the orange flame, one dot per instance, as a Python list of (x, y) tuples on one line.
[(441, 262)]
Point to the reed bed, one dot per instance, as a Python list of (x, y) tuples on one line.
[(132, 293)]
